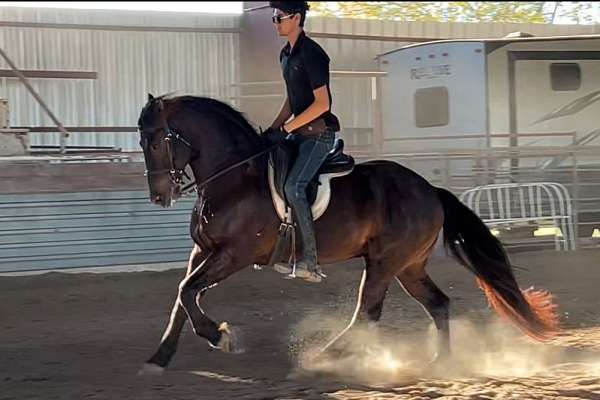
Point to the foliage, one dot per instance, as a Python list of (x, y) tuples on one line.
[(462, 11)]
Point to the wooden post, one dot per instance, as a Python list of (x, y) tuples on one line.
[(63, 132), (377, 137)]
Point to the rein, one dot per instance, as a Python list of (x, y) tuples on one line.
[(226, 170)]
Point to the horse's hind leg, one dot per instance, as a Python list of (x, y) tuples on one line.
[(374, 291), (168, 344), (371, 294), (418, 285)]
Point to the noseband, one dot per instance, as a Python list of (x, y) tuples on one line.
[(175, 174)]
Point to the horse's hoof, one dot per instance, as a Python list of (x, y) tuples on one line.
[(438, 366), (314, 357), (151, 369), (231, 339), (440, 358), (333, 352)]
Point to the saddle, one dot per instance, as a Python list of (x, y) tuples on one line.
[(282, 159), (318, 193)]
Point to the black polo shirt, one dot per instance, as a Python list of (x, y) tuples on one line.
[(305, 69)]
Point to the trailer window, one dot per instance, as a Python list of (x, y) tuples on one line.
[(565, 76), (431, 107)]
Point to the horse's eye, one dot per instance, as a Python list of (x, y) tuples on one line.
[(155, 146)]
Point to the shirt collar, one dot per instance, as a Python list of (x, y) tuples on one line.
[(301, 38)]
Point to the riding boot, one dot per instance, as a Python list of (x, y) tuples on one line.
[(307, 267), (312, 152)]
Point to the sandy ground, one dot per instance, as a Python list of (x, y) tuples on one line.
[(84, 336)]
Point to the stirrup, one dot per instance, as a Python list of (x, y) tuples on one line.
[(291, 272), (283, 268), (308, 275), (288, 269)]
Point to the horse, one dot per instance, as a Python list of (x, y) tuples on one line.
[(382, 211)]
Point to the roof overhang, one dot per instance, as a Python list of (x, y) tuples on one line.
[(497, 41)]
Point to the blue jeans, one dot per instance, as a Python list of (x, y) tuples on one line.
[(312, 151)]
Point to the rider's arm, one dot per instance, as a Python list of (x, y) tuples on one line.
[(314, 111), (316, 64), (284, 114)]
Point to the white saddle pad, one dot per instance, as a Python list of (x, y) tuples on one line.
[(323, 194)]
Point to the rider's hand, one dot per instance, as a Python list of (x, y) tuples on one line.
[(284, 132), (274, 135), (267, 131)]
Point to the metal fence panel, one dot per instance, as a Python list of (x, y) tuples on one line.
[(128, 63), (91, 229)]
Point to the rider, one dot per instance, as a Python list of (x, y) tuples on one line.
[(305, 67)]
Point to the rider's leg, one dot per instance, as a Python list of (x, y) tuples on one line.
[(312, 151)]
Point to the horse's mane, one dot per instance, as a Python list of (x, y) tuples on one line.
[(207, 104), (239, 130)]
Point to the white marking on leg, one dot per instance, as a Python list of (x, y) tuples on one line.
[(413, 297), (170, 324), (356, 311), (437, 331), (196, 250)]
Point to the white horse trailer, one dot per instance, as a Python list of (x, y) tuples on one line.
[(540, 96), (491, 93)]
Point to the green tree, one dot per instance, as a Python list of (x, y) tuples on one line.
[(396, 10), (462, 11), (579, 12), (496, 11)]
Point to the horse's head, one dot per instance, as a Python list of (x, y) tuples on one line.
[(166, 153)]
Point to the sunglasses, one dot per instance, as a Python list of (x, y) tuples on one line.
[(278, 18)]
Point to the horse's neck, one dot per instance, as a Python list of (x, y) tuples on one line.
[(229, 149), (243, 179)]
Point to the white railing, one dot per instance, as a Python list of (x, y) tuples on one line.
[(516, 203)]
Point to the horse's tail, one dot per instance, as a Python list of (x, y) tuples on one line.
[(471, 242)]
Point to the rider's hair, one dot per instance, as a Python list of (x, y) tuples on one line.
[(292, 7)]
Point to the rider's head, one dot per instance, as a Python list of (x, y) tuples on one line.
[(288, 15)]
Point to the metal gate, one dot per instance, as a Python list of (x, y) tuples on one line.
[(540, 203)]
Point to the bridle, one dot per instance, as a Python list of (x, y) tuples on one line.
[(176, 174)]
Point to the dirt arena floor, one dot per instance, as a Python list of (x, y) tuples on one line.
[(85, 336)]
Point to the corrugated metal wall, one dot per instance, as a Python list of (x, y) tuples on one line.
[(129, 64), (67, 230), (107, 228)]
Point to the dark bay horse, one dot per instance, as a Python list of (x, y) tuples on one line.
[(383, 212)]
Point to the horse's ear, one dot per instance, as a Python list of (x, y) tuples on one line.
[(150, 97)]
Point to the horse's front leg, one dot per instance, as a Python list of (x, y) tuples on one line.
[(168, 344), (218, 265)]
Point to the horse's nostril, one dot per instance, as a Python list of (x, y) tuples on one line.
[(156, 199)]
